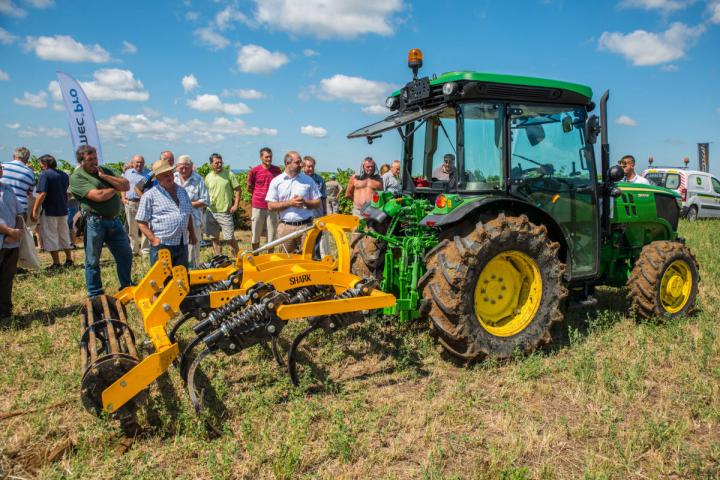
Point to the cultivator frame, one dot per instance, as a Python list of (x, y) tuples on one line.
[(238, 304)]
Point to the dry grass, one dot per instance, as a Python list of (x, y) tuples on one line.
[(613, 398)]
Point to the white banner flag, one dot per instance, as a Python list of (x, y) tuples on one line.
[(81, 119)]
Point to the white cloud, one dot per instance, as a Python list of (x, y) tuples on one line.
[(211, 38), (42, 132), (376, 110), (625, 120), (256, 59), (41, 3), (4, 76), (246, 93), (311, 131), (714, 11), (237, 127), (7, 7), (212, 103), (663, 5), (192, 16), (354, 89), (64, 48), (309, 52), (34, 100), (644, 48), (124, 126), (324, 19), (224, 18), (12, 125), (109, 84), (7, 38), (189, 83), (129, 47)]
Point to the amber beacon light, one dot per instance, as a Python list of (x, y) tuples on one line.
[(415, 60)]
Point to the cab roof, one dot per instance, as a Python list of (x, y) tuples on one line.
[(496, 78)]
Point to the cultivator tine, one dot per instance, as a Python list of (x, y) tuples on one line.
[(275, 348), (195, 399), (291, 362)]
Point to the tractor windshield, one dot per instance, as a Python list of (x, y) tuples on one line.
[(434, 141)]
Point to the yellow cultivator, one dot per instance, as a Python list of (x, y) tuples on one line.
[(237, 304)]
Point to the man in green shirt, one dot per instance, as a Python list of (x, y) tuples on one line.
[(224, 191), (96, 189)]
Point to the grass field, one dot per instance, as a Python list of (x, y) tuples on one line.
[(612, 398)]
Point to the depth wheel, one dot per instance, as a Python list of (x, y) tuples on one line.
[(664, 281), (496, 291)]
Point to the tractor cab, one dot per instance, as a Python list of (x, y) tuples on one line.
[(480, 138)]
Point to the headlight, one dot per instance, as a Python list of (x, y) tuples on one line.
[(450, 88), (391, 103)]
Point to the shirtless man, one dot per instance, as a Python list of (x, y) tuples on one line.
[(361, 187)]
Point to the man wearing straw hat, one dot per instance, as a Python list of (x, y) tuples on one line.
[(165, 216)]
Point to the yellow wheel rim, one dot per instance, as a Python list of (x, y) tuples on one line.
[(676, 286), (508, 293)]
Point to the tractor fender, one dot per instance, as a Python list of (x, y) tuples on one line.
[(487, 208)]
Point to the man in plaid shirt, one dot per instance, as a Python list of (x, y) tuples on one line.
[(164, 216)]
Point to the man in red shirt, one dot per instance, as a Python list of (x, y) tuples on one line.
[(259, 180)]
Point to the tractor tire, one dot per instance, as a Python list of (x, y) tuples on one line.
[(367, 256), (664, 281), (496, 291)]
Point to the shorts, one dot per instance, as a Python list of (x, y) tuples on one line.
[(220, 223), (55, 233)]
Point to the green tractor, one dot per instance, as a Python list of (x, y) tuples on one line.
[(502, 222)]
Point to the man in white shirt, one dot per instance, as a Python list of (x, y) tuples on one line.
[(628, 165), (195, 187), (294, 196)]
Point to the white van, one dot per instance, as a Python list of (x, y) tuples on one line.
[(700, 191)]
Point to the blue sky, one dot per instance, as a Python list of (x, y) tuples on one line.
[(230, 77)]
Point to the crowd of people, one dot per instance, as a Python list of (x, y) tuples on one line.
[(167, 206)]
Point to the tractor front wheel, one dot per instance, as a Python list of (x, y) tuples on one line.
[(664, 281), (367, 257), (495, 291)]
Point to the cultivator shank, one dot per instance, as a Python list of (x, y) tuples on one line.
[(236, 304)]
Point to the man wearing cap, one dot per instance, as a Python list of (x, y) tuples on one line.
[(165, 216), (137, 173), (332, 188), (224, 191), (294, 196), (445, 170), (258, 183), (195, 187), (97, 188)]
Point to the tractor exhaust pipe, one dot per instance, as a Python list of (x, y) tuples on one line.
[(605, 160)]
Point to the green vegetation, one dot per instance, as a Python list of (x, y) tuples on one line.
[(613, 397)]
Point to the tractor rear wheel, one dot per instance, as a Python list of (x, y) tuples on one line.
[(496, 290), (664, 281), (367, 256)]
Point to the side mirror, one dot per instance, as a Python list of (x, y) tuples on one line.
[(592, 129), (615, 173), (567, 124)]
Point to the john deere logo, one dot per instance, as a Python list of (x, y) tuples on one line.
[(305, 277)]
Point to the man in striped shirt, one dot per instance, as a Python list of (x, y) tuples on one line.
[(20, 177)]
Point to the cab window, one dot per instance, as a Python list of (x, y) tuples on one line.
[(716, 186)]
